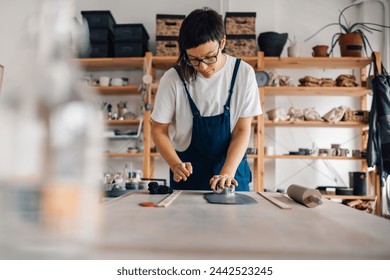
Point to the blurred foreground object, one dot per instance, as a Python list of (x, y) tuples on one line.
[(50, 146), (1, 76)]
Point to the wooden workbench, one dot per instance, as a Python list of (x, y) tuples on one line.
[(191, 228)]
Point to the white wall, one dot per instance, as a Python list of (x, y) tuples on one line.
[(299, 18)]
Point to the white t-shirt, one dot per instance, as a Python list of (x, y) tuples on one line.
[(209, 95)]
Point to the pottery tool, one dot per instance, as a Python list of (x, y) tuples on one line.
[(169, 199), (305, 196), (271, 198), (163, 203), (229, 196)]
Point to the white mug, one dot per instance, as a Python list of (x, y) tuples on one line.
[(117, 82), (104, 81), (269, 150), (294, 51)]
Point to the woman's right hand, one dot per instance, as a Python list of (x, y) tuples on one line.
[(181, 171), (219, 182)]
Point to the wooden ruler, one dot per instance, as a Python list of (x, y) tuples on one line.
[(169, 199), (275, 201)]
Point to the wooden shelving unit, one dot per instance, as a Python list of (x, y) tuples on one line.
[(317, 124), (362, 197), (316, 62), (118, 90), (310, 157), (124, 64), (112, 63), (124, 122), (361, 92), (316, 91), (124, 155)]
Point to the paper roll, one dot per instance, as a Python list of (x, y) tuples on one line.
[(306, 196)]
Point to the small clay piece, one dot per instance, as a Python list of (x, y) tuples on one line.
[(155, 188), (147, 204)]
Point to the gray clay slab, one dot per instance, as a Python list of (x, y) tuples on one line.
[(230, 198)]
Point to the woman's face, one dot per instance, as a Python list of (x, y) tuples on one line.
[(207, 59)]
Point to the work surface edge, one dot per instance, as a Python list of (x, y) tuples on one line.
[(191, 228)]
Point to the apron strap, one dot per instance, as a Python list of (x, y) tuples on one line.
[(236, 66), (194, 109)]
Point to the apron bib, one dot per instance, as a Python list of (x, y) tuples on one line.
[(208, 148)]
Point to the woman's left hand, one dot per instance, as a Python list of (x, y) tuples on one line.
[(222, 181)]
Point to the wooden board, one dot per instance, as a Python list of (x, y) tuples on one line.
[(169, 199), (272, 198)]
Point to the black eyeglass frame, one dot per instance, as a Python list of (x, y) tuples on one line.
[(189, 63)]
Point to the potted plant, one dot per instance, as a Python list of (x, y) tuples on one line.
[(351, 37)]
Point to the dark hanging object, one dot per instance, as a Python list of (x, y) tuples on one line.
[(378, 147)]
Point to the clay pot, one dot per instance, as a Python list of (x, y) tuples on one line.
[(351, 44), (320, 51)]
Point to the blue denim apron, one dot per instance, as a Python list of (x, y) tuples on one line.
[(208, 148)]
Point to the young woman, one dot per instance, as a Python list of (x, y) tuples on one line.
[(203, 109)]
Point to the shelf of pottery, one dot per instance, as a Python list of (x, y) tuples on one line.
[(123, 97), (321, 91)]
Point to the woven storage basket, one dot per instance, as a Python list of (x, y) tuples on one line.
[(356, 116)]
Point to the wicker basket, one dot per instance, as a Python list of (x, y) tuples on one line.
[(356, 116)]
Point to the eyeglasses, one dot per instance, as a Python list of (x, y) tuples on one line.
[(207, 60)]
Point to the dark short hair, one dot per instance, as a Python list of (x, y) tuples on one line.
[(199, 27)]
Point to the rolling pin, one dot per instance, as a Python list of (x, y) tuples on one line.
[(306, 196)]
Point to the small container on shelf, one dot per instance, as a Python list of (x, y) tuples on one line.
[(132, 150), (101, 49), (356, 116), (100, 35), (99, 19), (130, 49), (167, 46), (131, 40), (344, 191), (168, 25), (239, 23), (130, 33), (241, 45)]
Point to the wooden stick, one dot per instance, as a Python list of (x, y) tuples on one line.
[(272, 199), (168, 200)]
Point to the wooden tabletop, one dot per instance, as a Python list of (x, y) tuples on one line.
[(192, 228)]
